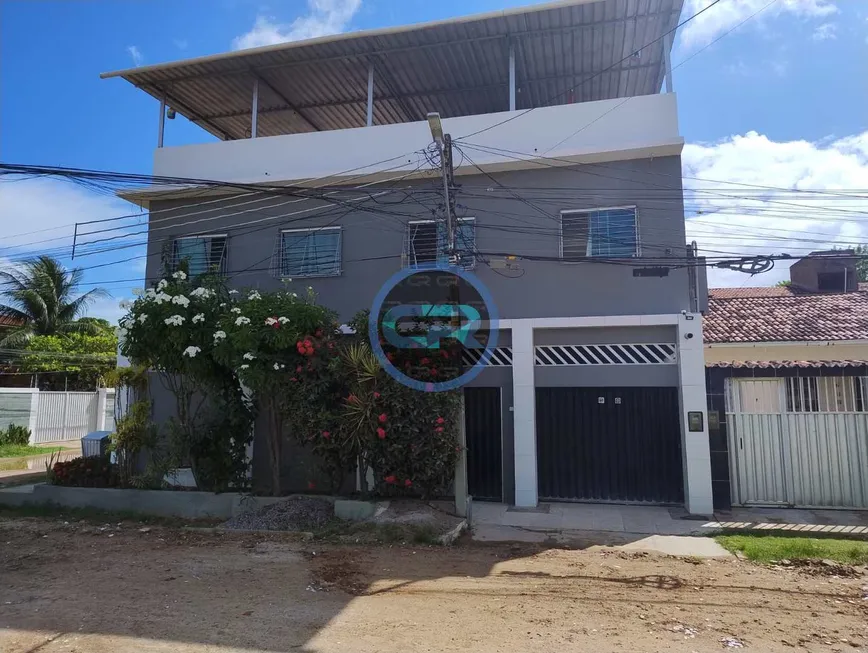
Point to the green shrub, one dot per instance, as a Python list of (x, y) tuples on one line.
[(93, 471), (17, 435)]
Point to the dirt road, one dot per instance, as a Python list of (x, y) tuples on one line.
[(78, 589)]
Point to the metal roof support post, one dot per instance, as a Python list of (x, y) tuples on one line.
[(667, 62), (511, 76), (254, 115), (370, 120), (162, 128)]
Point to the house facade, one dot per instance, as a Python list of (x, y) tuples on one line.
[(787, 386), (568, 200)]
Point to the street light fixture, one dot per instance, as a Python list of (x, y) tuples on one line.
[(436, 127)]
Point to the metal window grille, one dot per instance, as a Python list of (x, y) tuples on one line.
[(826, 394), (312, 252), (204, 254), (604, 233), (640, 354), (498, 357), (425, 243)]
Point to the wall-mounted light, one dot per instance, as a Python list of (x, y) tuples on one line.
[(436, 127)]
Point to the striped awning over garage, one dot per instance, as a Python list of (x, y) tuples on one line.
[(563, 52)]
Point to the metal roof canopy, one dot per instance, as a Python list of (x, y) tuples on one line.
[(458, 67)]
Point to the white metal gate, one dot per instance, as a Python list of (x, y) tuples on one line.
[(799, 441)]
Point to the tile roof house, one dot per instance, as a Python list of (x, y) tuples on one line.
[(787, 387)]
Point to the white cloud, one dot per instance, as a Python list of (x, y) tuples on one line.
[(728, 219), (825, 32), (136, 55), (727, 14), (322, 18)]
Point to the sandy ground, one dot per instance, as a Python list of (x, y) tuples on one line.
[(76, 588)]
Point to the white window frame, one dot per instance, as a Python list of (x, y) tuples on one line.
[(563, 212), (340, 253), (407, 264), (175, 261)]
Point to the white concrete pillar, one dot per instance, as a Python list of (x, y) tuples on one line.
[(101, 395), (32, 418), (695, 449), (524, 413)]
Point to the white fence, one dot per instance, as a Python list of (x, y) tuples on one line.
[(799, 442), (57, 416)]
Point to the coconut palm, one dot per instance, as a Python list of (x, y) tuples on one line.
[(42, 300)]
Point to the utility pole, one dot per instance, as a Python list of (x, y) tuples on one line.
[(449, 196)]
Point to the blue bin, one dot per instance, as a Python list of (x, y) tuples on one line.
[(95, 444)]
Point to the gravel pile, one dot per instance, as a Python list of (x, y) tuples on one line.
[(294, 514)]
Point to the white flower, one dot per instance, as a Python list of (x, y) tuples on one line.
[(248, 356), (242, 320), (277, 366), (191, 351), (222, 304), (121, 332), (162, 297), (174, 320), (181, 301), (219, 335), (283, 320), (150, 293), (293, 295), (244, 367), (235, 310), (202, 292), (199, 317), (163, 283), (137, 292), (125, 304), (254, 295), (233, 292), (270, 321), (180, 274), (142, 318), (310, 288), (282, 366)]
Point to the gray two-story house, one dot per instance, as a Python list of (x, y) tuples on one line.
[(568, 201)]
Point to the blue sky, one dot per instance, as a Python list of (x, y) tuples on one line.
[(774, 102)]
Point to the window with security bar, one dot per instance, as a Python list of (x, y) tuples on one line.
[(204, 254), (426, 242), (310, 252), (604, 233), (826, 394)]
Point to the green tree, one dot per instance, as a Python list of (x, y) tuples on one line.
[(784, 283), (42, 300), (76, 361), (862, 263)]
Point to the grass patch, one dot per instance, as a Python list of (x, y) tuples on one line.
[(347, 532), (93, 516), (770, 548), (19, 450)]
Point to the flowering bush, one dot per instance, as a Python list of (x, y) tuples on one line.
[(93, 471)]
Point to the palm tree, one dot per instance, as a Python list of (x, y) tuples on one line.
[(41, 300)]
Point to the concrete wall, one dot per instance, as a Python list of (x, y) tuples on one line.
[(830, 351), (373, 242), (613, 129)]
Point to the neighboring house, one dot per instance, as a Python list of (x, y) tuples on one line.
[(788, 388), (599, 362)]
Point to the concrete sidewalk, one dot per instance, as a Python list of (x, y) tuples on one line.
[(570, 522)]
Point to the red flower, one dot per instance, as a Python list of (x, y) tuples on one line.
[(382, 418), (352, 399), (318, 333), (440, 420), (408, 483), (425, 361), (311, 485), (331, 345), (376, 395), (293, 379), (439, 429), (458, 449), (444, 353), (381, 433), (299, 368), (432, 371), (390, 479), (326, 435), (276, 325), (308, 344)]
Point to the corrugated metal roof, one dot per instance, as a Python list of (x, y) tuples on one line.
[(457, 67)]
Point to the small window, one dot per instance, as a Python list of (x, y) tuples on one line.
[(426, 243), (605, 233), (203, 254), (310, 252)]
